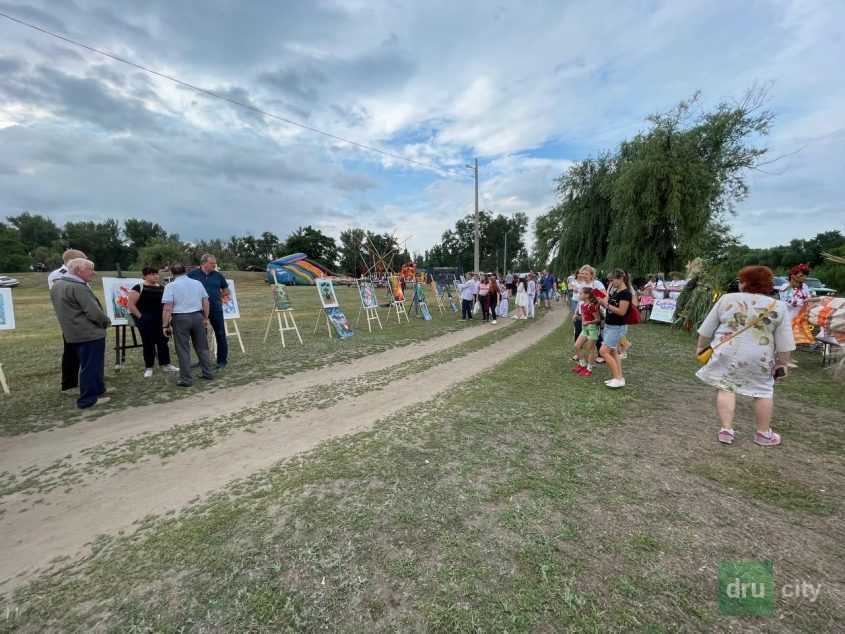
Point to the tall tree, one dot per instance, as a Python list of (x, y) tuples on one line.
[(315, 244), (140, 233), (35, 230), (13, 255), (100, 241), (353, 252)]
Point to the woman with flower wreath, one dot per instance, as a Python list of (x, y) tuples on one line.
[(751, 337)]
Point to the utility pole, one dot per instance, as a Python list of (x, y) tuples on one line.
[(505, 258), (477, 230)]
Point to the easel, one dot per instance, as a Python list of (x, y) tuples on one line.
[(3, 383), (120, 346), (323, 314), (289, 324), (235, 333), (399, 307), (438, 298), (371, 311)]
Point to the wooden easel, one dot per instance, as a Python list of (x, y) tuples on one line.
[(120, 346), (3, 383), (323, 315), (286, 316), (399, 307), (438, 298), (236, 332), (372, 316)]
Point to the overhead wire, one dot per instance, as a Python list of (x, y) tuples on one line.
[(216, 95)]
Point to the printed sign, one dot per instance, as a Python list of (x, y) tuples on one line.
[(663, 310)]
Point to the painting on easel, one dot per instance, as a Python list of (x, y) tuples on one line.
[(396, 289), (368, 294), (280, 298), (229, 299), (7, 310), (325, 289), (116, 293)]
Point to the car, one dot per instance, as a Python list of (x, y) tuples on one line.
[(817, 288), (8, 282), (779, 282)]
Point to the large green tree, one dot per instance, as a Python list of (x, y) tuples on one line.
[(35, 230), (13, 255), (313, 243), (353, 252)]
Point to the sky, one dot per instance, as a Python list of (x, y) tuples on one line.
[(528, 88)]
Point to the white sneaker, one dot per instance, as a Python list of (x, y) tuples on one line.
[(148, 373), (615, 383), (623, 355), (493, 322), (171, 368)]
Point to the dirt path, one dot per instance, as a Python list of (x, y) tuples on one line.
[(62, 525), (45, 447)]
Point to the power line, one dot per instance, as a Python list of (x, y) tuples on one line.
[(216, 95)]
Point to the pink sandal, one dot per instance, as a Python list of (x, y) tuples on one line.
[(767, 439), (726, 436)]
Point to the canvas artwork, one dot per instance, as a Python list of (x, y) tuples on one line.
[(396, 289), (280, 298), (368, 295), (229, 298), (116, 292), (419, 292), (451, 296), (7, 310), (325, 289), (426, 314), (340, 322)]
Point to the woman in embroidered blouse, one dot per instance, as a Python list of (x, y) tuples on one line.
[(796, 292), (748, 363)]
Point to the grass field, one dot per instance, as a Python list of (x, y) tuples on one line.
[(31, 354), (528, 499)]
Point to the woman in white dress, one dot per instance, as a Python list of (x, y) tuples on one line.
[(521, 300), (502, 310), (749, 362)]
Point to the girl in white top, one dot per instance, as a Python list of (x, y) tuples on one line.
[(521, 300)]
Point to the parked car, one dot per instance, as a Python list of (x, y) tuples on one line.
[(8, 282), (779, 282), (817, 288)]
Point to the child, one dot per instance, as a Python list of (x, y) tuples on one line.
[(585, 346)]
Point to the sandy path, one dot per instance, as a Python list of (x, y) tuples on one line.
[(44, 447), (63, 524)]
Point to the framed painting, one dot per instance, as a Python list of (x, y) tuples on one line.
[(229, 299), (367, 292), (116, 293), (396, 289), (325, 289), (7, 310), (340, 322), (280, 298)]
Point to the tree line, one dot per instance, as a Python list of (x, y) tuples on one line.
[(31, 241), (661, 198)]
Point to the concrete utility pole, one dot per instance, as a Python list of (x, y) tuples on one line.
[(477, 231)]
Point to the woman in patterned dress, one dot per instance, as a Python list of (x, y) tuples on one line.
[(749, 362)]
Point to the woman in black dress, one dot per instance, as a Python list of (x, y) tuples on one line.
[(145, 307)]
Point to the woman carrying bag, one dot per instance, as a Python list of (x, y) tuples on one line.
[(746, 342)]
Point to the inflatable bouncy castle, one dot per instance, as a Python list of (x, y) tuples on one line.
[(295, 269)]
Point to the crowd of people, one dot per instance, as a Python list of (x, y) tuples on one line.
[(745, 343)]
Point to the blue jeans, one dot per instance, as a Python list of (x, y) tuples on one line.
[(92, 361)]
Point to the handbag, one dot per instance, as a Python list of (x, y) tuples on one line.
[(632, 317), (705, 355)]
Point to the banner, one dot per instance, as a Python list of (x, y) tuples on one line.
[(663, 310)]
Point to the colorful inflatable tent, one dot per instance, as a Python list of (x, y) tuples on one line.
[(295, 269)]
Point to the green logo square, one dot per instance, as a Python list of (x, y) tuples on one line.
[(746, 588)]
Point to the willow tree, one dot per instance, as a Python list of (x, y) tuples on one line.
[(676, 182), (576, 230)]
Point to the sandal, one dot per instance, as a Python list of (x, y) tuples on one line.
[(726, 436), (767, 439)]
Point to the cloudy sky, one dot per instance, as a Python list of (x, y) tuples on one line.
[(526, 87)]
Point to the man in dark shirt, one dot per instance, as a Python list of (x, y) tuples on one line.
[(214, 284)]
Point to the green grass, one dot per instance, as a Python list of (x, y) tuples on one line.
[(527, 499), (31, 354)]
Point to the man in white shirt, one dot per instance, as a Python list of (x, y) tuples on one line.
[(185, 314), (70, 358), (468, 291)]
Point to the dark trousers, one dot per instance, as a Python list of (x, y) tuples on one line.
[(70, 367), (188, 328), (466, 309), (215, 318), (485, 307), (153, 341), (92, 361), (494, 301), (577, 323)]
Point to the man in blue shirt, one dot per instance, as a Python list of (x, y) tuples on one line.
[(214, 284)]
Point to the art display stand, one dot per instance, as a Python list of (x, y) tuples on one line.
[(323, 315), (399, 307), (121, 346), (3, 384), (438, 298), (235, 332), (286, 322), (372, 316)]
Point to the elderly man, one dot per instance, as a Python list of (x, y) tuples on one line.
[(84, 326), (214, 283), (70, 362), (185, 315)]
